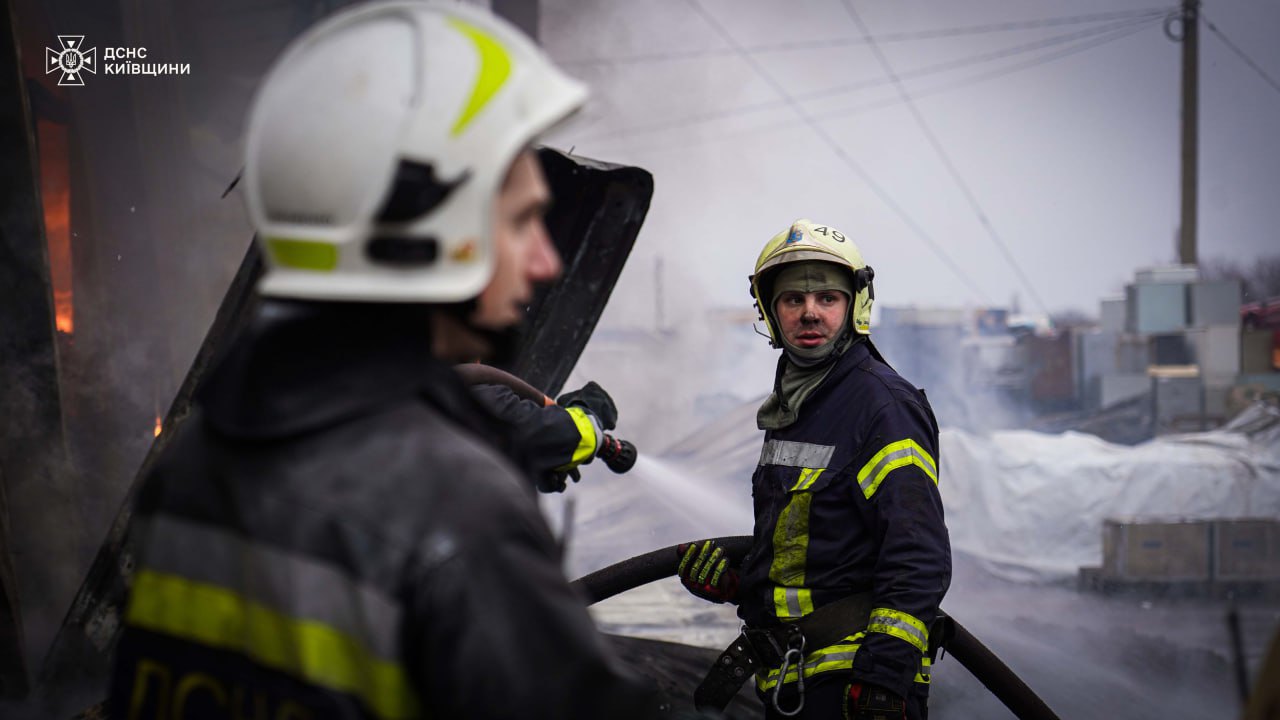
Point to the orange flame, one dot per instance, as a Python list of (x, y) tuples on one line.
[(159, 426), (55, 193)]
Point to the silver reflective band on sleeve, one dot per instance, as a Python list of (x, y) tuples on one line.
[(796, 454), (900, 625)]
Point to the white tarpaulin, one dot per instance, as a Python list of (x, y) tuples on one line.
[(1026, 505), (1031, 506)]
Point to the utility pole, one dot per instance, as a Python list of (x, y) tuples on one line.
[(1190, 128)]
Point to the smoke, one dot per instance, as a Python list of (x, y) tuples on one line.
[(673, 369)]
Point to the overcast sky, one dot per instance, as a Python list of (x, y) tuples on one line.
[(1068, 142)]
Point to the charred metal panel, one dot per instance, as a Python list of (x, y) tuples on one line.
[(31, 425), (596, 215), (81, 652)]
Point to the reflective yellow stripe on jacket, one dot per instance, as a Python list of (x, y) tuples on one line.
[(308, 650), (587, 438), (791, 549), (828, 659), (898, 454), (900, 625)]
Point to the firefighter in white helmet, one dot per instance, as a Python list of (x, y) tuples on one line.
[(336, 531), (850, 555)]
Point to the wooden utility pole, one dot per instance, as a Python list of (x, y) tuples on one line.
[(1190, 128)]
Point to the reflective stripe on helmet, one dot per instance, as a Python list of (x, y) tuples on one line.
[(495, 67), (303, 254)]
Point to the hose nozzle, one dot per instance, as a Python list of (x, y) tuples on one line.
[(619, 455)]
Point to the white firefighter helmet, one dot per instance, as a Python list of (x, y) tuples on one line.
[(807, 240), (378, 143)]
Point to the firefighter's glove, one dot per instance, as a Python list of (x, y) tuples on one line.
[(594, 400), (555, 481), (872, 702), (705, 572)]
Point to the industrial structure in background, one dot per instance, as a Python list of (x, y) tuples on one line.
[(1177, 353)]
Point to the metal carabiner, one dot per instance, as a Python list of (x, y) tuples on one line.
[(787, 661)]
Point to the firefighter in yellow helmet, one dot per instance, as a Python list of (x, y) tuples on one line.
[(851, 555), (338, 530)]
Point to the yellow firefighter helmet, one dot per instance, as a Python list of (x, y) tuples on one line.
[(807, 240)]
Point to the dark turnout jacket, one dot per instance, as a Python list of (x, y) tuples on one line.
[(846, 502), (334, 533)]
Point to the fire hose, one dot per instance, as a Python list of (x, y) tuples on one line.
[(956, 640), (619, 455)]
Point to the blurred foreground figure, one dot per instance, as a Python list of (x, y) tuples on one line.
[(850, 557), (339, 529)]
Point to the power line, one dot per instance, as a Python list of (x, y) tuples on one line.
[(999, 72), (1240, 53), (782, 47), (889, 102), (936, 68), (976, 59), (947, 162), (839, 151)]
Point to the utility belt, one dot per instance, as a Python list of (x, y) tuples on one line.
[(783, 647)]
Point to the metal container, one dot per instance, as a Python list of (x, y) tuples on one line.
[(1156, 308), (1246, 550), (1111, 315), (1215, 302), (1049, 364), (992, 321), (1217, 401), (1157, 551), (1169, 274), (1256, 351), (1133, 354), (1179, 400), (1171, 349), (1118, 388), (1096, 358), (1216, 350)]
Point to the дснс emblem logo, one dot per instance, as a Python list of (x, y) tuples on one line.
[(72, 60)]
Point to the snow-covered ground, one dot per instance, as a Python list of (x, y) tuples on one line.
[(1025, 511)]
